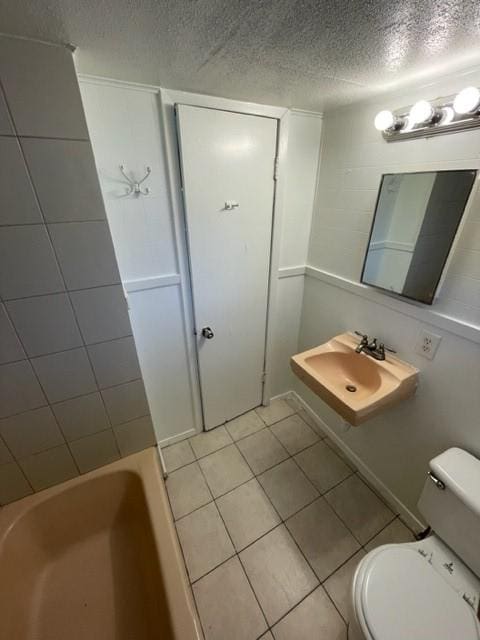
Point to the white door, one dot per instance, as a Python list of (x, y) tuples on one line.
[(227, 162)]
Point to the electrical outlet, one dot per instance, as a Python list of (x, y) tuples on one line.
[(427, 344)]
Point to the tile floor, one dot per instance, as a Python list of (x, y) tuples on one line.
[(272, 520)]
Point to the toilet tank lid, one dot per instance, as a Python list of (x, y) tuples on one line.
[(460, 472)]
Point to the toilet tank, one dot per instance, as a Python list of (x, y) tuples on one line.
[(450, 502)]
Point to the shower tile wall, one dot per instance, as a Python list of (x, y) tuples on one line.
[(71, 393)]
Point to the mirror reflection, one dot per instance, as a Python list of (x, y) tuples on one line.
[(416, 219)]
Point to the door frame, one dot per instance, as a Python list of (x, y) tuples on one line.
[(168, 99)]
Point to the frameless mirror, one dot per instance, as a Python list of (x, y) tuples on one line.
[(416, 219)]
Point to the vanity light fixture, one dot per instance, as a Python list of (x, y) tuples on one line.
[(427, 118)]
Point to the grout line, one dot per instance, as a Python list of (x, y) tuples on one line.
[(49, 222), (66, 290)]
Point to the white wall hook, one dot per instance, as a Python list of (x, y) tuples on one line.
[(134, 185), (230, 205)]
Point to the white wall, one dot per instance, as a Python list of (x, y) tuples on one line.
[(125, 124), (397, 445)]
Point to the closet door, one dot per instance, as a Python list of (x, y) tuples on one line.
[(227, 162)]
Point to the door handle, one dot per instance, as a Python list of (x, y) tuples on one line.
[(207, 333)]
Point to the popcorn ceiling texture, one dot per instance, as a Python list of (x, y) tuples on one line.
[(309, 54)]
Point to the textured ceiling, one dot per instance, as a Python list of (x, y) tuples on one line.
[(308, 54)]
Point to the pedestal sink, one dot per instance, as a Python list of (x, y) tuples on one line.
[(355, 385)]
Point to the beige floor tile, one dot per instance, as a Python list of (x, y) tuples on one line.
[(227, 605), (205, 541), (267, 636), (361, 510), (210, 441), (187, 490), (278, 572), (276, 410), (315, 617), (178, 455), (288, 488), (262, 450), (394, 533), (247, 513), (245, 425), (306, 417), (294, 434), (322, 466), (334, 446), (225, 470), (338, 585), (324, 539)]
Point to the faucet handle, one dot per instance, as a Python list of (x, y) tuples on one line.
[(382, 348), (363, 336)]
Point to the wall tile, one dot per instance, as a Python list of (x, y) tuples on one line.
[(126, 402), (41, 88), (45, 324), (5, 455), (85, 252), (65, 178), (65, 375), (19, 389), (31, 432), (114, 362), (95, 451), (13, 484), (80, 417), (135, 435), (6, 127), (10, 346), (49, 467), (102, 313), (39, 274), (18, 204)]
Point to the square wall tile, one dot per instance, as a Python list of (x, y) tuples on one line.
[(31, 432), (95, 451), (65, 375), (80, 417), (70, 166), (247, 513), (41, 88), (10, 346), (6, 127), (204, 539), (102, 313), (49, 467), (210, 441), (187, 490), (237, 616), (27, 263), (126, 402), (13, 484), (45, 324), (177, 455), (85, 252), (135, 435), (288, 488), (18, 204), (278, 573), (114, 362), (224, 470), (5, 455), (19, 389)]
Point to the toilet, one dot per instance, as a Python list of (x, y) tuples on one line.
[(430, 589)]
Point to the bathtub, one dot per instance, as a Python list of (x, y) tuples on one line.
[(95, 558)]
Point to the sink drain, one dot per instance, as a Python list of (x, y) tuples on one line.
[(350, 387)]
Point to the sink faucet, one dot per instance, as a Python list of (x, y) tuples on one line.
[(373, 349)]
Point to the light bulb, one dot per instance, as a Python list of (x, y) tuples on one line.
[(384, 120), (421, 112), (467, 101)]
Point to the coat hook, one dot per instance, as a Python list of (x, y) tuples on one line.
[(134, 185)]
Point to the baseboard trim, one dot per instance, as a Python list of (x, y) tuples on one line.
[(395, 503), (178, 437)]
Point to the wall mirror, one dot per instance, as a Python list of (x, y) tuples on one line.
[(416, 219)]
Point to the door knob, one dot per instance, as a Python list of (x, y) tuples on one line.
[(207, 333)]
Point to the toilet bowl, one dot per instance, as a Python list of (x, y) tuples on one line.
[(430, 589)]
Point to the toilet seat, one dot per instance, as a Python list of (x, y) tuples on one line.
[(418, 604)]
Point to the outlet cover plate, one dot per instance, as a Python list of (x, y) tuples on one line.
[(427, 344)]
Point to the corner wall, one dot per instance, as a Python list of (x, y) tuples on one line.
[(397, 445), (71, 393)]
